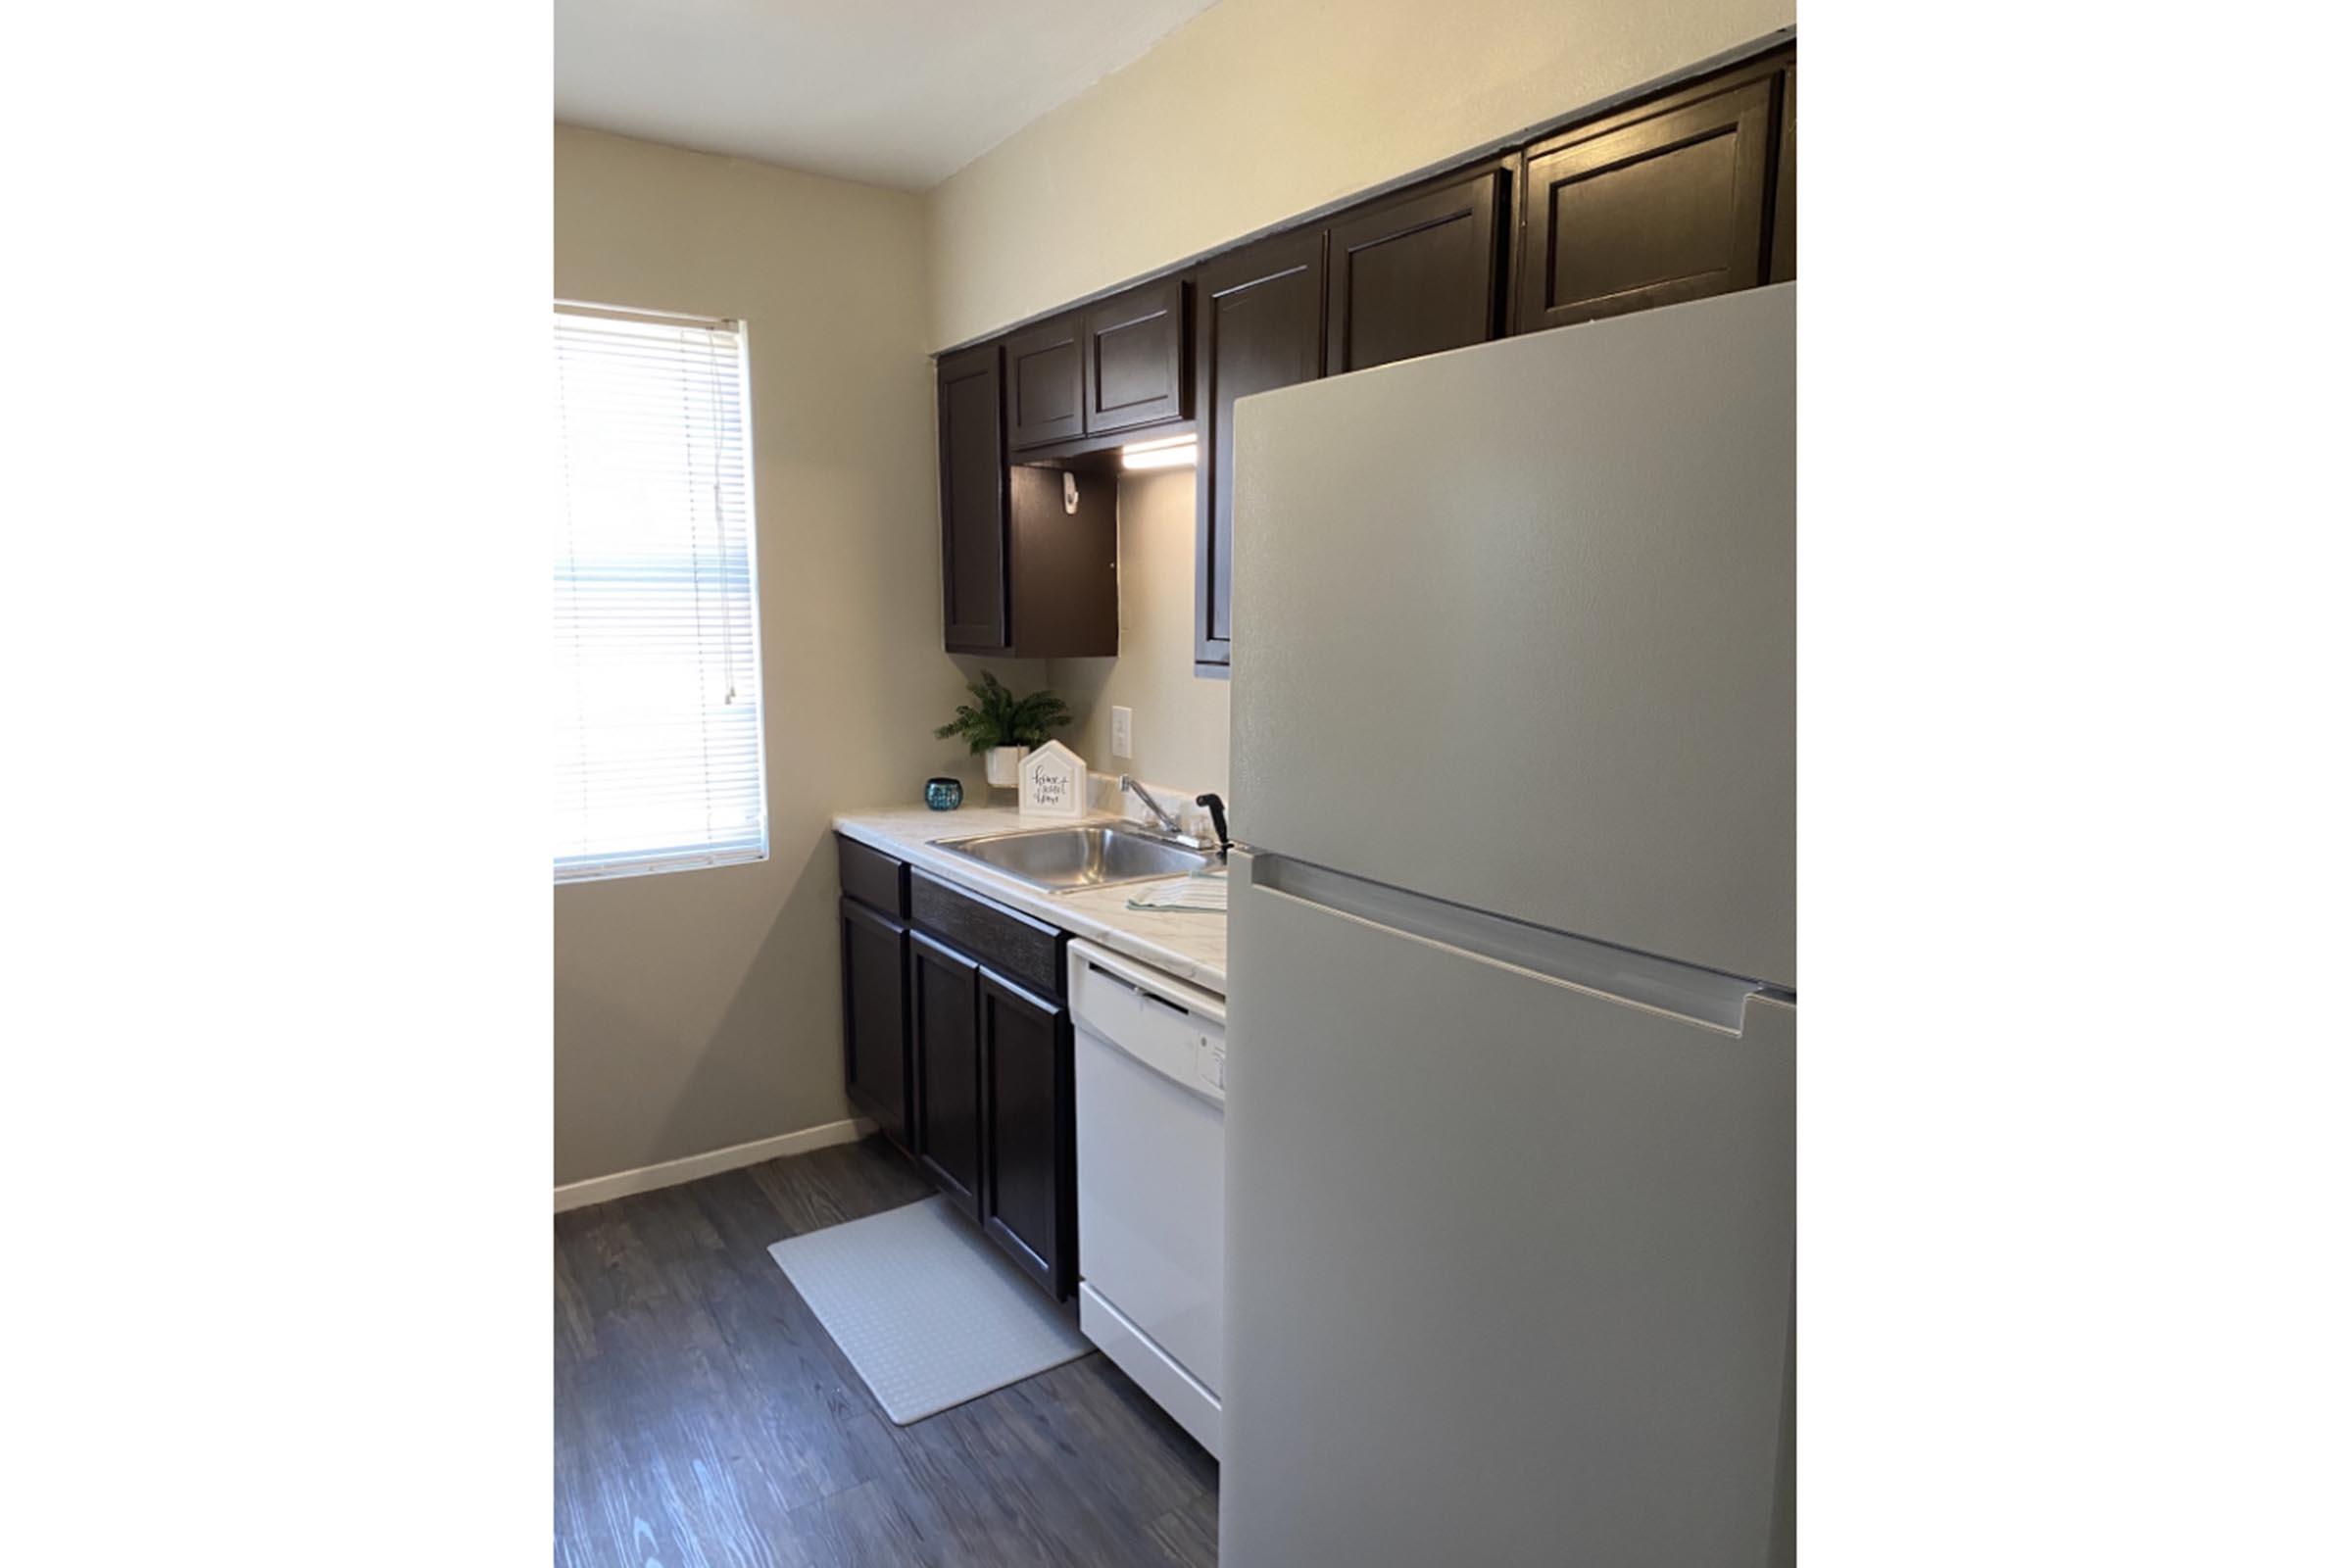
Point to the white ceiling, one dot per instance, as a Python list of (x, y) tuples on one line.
[(891, 92)]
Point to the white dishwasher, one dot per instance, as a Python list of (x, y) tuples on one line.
[(1151, 1073)]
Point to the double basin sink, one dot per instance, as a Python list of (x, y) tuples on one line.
[(1095, 855)]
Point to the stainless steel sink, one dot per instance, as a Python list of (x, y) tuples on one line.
[(1095, 855)]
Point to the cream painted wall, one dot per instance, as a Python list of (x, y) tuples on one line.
[(1181, 721), (702, 1009), (1257, 111)]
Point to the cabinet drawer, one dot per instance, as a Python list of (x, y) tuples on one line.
[(872, 878), (1013, 945)]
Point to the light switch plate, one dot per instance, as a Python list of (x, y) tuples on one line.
[(1122, 732)]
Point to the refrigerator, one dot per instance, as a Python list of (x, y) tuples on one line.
[(1510, 1162)]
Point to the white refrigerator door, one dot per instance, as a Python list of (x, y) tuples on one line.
[(1509, 1259), (1515, 627)]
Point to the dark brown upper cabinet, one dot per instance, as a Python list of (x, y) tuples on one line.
[(1258, 325), (1045, 379), (972, 491), (1783, 199), (1028, 575), (1134, 355), (1066, 564), (1418, 274), (1686, 194), (1654, 205)]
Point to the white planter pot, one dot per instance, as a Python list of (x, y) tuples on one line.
[(1004, 766)]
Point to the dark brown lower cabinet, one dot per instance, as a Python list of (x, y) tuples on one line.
[(945, 995), (1028, 1205), (964, 1000), (873, 1016)]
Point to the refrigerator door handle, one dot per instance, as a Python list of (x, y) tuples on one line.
[(1704, 997)]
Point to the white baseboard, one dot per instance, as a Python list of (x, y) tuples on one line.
[(670, 1172)]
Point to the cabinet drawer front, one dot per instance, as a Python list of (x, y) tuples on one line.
[(1656, 208), (1023, 949), (872, 878), (1043, 384)]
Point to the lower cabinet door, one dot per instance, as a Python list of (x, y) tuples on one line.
[(943, 998), (873, 1016), (1029, 1197)]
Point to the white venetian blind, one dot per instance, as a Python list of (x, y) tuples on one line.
[(658, 762)]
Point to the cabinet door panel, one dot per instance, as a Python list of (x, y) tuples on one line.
[(1043, 384), (1657, 206), (945, 1002), (873, 1015), (1027, 1203), (972, 501), (1418, 274), (1258, 325), (1784, 180), (1134, 347)]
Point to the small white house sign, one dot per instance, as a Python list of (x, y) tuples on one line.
[(1053, 782)]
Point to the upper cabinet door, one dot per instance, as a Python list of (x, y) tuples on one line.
[(1043, 375), (1783, 199), (1418, 274), (1658, 205), (1134, 354), (1258, 325), (972, 501)]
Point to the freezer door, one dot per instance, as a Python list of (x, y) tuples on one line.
[(1510, 1258), (1515, 627)]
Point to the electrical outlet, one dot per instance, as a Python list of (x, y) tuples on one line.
[(1122, 732)]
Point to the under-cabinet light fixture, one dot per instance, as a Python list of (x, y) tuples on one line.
[(1176, 452)]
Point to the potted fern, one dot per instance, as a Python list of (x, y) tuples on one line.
[(1003, 726)]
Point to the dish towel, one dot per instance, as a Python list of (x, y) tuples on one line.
[(1203, 892)]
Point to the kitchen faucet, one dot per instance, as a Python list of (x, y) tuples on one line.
[(1159, 812)]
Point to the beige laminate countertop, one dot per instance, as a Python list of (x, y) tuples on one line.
[(1187, 944)]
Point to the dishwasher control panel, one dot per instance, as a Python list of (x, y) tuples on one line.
[(1174, 1028)]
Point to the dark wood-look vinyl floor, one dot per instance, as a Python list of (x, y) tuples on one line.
[(704, 1418)]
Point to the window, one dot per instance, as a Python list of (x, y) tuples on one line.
[(659, 763)]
